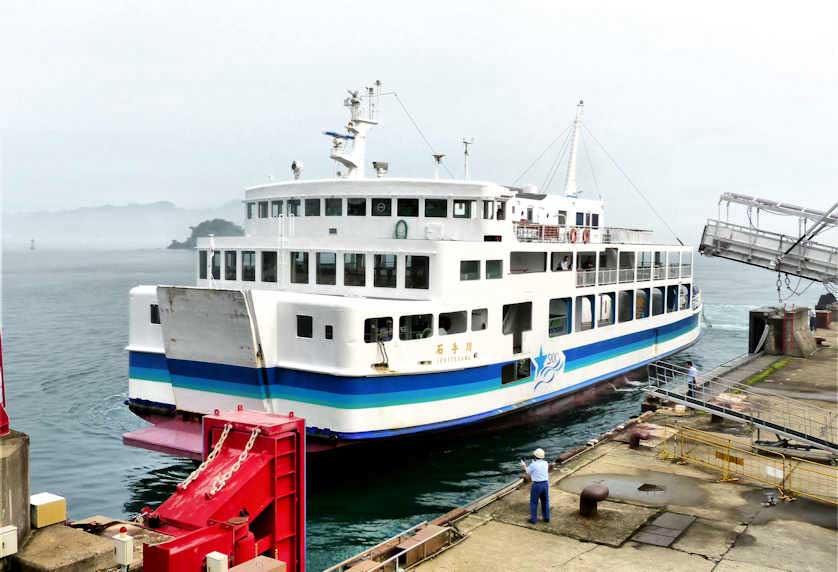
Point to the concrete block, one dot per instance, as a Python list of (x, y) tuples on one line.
[(260, 564), (59, 548), (47, 509), (14, 487)]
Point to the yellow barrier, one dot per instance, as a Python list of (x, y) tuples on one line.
[(789, 475)]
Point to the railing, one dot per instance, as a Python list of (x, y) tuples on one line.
[(607, 276), (696, 299), (644, 273), (789, 475), (674, 270), (604, 322), (586, 326), (658, 273), (585, 277), (686, 270), (626, 275), (764, 409), (534, 232)]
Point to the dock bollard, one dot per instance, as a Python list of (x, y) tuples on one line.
[(635, 436), (589, 498)]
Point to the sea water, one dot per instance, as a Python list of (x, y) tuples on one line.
[(65, 328)]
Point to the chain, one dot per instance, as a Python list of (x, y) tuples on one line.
[(210, 458), (221, 480)]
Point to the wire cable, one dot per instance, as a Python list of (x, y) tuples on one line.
[(635, 187), (418, 130), (544, 152), (548, 181), (591, 165)]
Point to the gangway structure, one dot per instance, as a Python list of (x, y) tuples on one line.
[(761, 409), (748, 243)]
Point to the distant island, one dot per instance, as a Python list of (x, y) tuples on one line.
[(216, 227)]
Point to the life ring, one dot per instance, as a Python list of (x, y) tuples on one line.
[(400, 230), (573, 235), (586, 235)]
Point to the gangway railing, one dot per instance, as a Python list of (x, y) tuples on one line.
[(763, 409)]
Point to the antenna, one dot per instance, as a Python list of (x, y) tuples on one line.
[(437, 162), (466, 142), (570, 188)]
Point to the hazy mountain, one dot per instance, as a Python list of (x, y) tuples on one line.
[(152, 225)]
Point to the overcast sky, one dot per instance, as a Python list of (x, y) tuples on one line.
[(118, 102)]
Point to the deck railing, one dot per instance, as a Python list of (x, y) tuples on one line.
[(626, 275), (659, 273), (608, 276), (644, 273), (585, 277), (534, 232)]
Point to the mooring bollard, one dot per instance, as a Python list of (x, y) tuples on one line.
[(589, 498), (635, 436)]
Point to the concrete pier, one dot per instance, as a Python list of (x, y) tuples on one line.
[(668, 512), (14, 485)]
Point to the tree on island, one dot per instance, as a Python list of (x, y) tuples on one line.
[(216, 227)]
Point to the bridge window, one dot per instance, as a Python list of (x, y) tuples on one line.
[(524, 262), (436, 208), (560, 261), (580, 219), (354, 269), (326, 268), (500, 212), (382, 207), (268, 266), (263, 209), (293, 207), (469, 270), (248, 265), (463, 208), (385, 270), (312, 207), (230, 265), (202, 264), (276, 208), (452, 323), (216, 265), (587, 219), (407, 207), (479, 319), (488, 210), (305, 326), (595, 220), (494, 269), (299, 267), (561, 217), (334, 207), (416, 327), (356, 207), (378, 330), (154, 310), (416, 272), (251, 210), (559, 317), (329, 332)]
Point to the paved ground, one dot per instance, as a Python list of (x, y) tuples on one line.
[(732, 529)]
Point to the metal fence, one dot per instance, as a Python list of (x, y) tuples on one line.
[(789, 475)]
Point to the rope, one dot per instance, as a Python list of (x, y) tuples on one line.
[(419, 130), (544, 152), (635, 187)]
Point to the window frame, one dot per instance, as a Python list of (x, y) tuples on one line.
[(227, 265), (246, 269), (499, 262), (378, 260), (386, 202), (310, 206), (469, 276), (403, 204), (318, 264), (438, 203), (362, 272), (355, 202), (305, 324), (263, 276), (293, 267), (329, 208)]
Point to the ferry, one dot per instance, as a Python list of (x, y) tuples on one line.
[(378, 307)]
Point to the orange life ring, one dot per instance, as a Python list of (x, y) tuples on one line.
[(573, 235), (586, 235)]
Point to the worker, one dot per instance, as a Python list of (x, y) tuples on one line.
[(540, 490), (813, 315), (692, 376)]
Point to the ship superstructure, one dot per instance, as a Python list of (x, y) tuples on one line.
[(380, 306)]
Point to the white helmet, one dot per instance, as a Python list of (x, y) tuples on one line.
[(538, 453)]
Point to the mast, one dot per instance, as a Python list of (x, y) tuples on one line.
[(356, 132), (570, 188)]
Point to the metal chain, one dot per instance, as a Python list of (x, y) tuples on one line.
[(221, 480), (210, 458)]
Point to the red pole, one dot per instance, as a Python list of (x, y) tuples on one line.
[(4, 418)]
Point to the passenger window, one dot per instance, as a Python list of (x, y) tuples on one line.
[(479, 319), (462, 209), (294, 207), (312, 207), (268, 266), (328, 332), (382, 207), (494, 269), (416, 327), (202, 264), (230, 265), (452, 323), (587, 219), (251, 210), (305, 326), (385, 271), (500, 213), (515, 371), (378, 330), (469, 270), (356, 207), (154, 310), (559, 318), (488, 210), (523, 262), (248, 265), (595, 220), (334, 207), (580, 219), (299, 267), (560, 261), (263, 209), (354, 269), (416, 272), (216, 265), (407, 207), (436, 208), (326, 267), (562, 218)]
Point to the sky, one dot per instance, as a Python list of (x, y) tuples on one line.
[(132, 102)]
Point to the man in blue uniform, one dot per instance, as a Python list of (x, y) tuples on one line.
[(540, 490)]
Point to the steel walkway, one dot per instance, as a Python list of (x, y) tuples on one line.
[(763, 409)]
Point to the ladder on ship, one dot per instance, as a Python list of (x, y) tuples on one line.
[(763, 409)]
